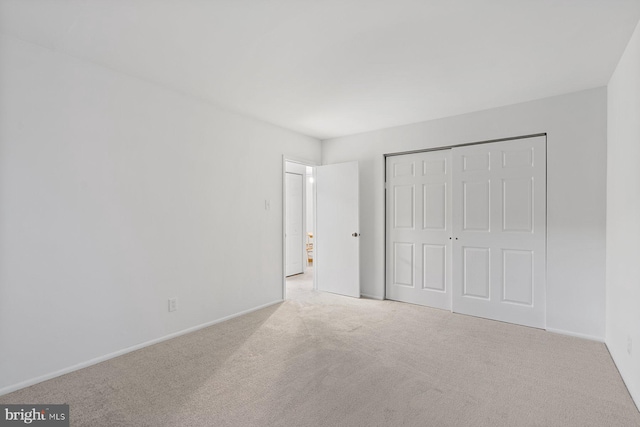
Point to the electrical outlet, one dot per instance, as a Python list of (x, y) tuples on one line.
[(173, 304), (629, 345)]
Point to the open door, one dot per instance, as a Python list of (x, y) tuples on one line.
[(337, 229)]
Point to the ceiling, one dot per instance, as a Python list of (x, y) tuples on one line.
[(328, 68)]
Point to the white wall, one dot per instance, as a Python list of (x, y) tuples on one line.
[(623, 217), (576, 128), (115, 195)]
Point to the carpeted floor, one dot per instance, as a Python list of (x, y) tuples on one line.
[(324, 360)]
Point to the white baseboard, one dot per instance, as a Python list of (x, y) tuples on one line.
[(634, 397), (94, 361), (372, 297), (576, 334)]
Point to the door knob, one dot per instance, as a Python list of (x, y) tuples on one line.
[(355, 234)]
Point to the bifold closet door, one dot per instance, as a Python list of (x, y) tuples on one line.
[(418, 258), (499, 229)]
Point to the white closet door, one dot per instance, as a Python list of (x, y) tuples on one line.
[(499, 228), (419, 228), (294, 236)]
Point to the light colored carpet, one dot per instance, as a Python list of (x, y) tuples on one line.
[(324, 360)]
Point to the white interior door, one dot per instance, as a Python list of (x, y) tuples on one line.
[(418, 204), (293, 221), (499, 228), (337, 239)]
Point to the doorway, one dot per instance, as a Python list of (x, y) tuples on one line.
[(298, 226), (333, 240)]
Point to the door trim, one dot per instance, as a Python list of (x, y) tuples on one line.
[(448, 147)]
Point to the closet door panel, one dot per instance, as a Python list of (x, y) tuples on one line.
[(499, 229)]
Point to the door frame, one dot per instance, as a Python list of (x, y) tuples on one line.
[(447, 147), (303, 162)]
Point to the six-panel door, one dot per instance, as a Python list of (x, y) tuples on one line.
[(466, 230), (499, 228), (418, 228)]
